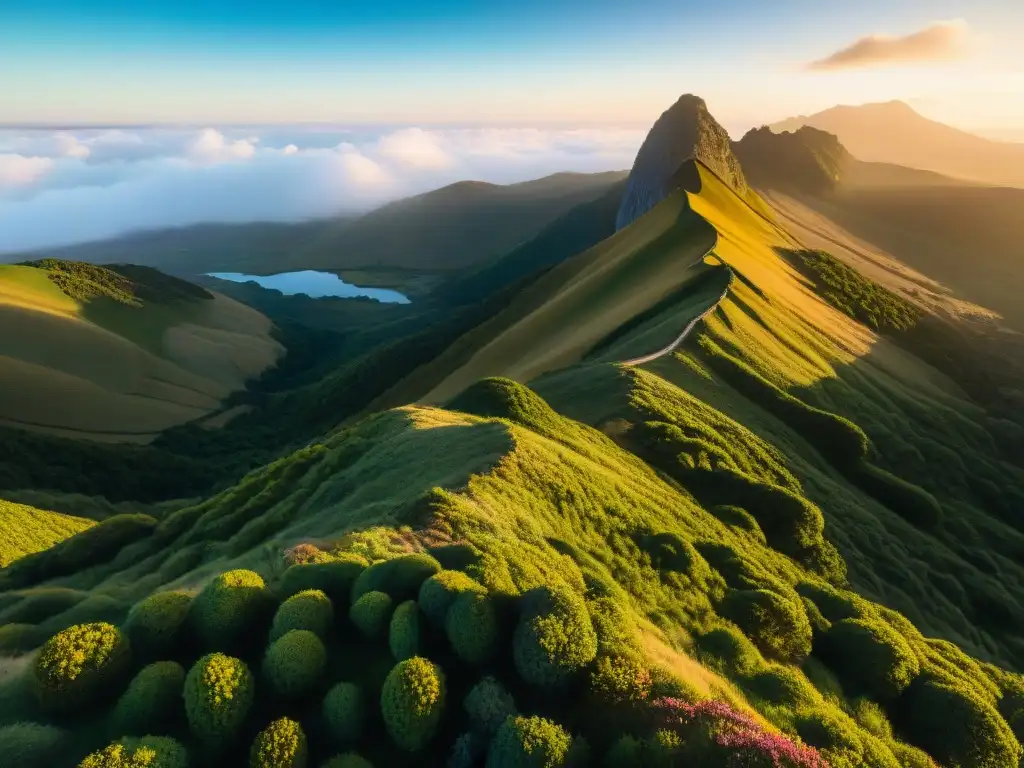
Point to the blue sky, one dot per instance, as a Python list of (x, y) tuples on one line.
[(499, 61)]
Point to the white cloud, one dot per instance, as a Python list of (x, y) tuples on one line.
[(941, 41), (70, 186)]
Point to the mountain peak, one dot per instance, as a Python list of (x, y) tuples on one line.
[(807, 159), (686, 130)]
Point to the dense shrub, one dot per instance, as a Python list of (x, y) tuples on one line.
[(145, 752), (778, 627), (467, 750), (154, 624), (834, 604), (371, 613), (737, 517), (529, 742), (348, 760), (439, 592), (80, 665), (404, 632), (37, 605), (282, 744), (152, 703), (310, 609), (488, 704), (620, 680), (627, 752), (32, 745), (400, 577), (835, 736), (555, 637), (219, 691), (294, 664), (228, 609), (780, 685), (412, 702), (335, 578), (909, 501), (344, 712), (671, 552), (16, 639), (870, 657), (472, 628), (956, 725), (729, 648)]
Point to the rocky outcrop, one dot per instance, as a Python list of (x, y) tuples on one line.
[(685, 130), (806, 160)]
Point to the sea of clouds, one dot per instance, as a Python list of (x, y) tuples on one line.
[(63, 186)]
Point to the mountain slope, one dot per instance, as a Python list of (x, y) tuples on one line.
[(89, 352), (894, 133), (25, 530)]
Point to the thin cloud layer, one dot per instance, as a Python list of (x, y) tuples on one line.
[(69, 186), (941, 41)]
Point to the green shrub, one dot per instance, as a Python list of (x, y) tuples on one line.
[(441, 590), (348, 760), (780, 685), (555, 637), (837, 737), (152, 703), (488, 705), (282, 744), (294, 664), (778, 627), (956, 726), (620, 680), (404, 632), (728, 648), (32, 745), (146, 752), (335, 578), (310, 609), (909, 501), (81, 665), (401, 577), (344, 713), (529, 742), (16, 639), (834, 604), (219, 691), (627, 752), (472, 628), (37, 605), (229, 608), (870, 657), (371, 612), (671, 552), (154, 624), (910, 757), (469, 747), (737, 517), (412, 702)]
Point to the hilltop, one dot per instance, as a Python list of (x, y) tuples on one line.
[(668, 499), (892, 132)]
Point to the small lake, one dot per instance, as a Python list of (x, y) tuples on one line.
[(316, 285)]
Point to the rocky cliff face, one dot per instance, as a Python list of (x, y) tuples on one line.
[(685, 130), (807, 160)]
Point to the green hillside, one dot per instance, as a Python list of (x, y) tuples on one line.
[(696, 494), (24, 530)]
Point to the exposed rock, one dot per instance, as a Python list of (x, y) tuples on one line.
[(807, 160)]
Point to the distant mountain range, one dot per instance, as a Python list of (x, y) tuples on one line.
[(893, 132)]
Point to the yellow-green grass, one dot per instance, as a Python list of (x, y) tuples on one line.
[(24, 530), (109, 371)]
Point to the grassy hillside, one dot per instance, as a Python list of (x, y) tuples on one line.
[(24, 530), (119, 354), (737, 552)]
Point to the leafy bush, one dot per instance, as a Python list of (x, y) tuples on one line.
[(781, 685), (32, 745), (154, 624), (467, 750), (620, 680), (344, 713), (871, 657), (671, 552), (146, 752), (348, 760), (488, 705), (295, 663), (529, 742), (778, 627), (335, 578), (555, 637), (80, 665), (441, 590), (309, 609), (472, 628), (404, 633), (219, 691), (834, 604), (282, 744), (731, 649), (956, 725), (16, 639), (152, 701), (737, 517), (371, 612), (400, 577), (627, 752), (412, 702), (227, 610), (835, 736), (909, 501)]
